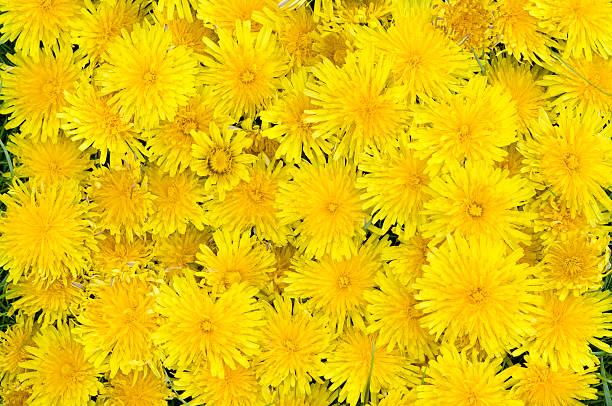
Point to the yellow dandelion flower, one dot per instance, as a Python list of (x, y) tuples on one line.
[(244, 68), (89, 119), (393, 314), (219, 155), (186, 30), (540, 385), (363, 11), (122, 200), (580, 84), (252, 204), (296, 30), (237, 387), (148, 78), (351, 361), (120, 256), (33, 91), (259, 144), (294, 342), (406, 260), (470, 23), (356, 102), (30, 22), (399, 398), (177, 201), (177, 251), (565, 329), (576, 265), (583, 25), (521, 33), (116, 325), (45, 233), (554, 219), (225, 13), (184, 8), (424, 60), (287, 113), (337, 287), (221, 330), (58, 370), (322, 203), (454, 379), (277, 278), (48, 162), (573, 159), (135, 390), (488, 299), (49, 302), (101, 22), (478, 200), (12, 347), (169, 145), (335, 42), (15, 395), (474, 124), (520, 82), (239, 258), (318, 395), (394, 186)]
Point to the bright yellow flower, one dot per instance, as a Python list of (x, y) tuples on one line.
[(394, 316), (186, 30), (554, 219), (120, 257), (30, 22), (177, 202), (284, 122), (237, 387), (101, 22), (574, 160), (116, 324), (48, 162), (358, 102), (122, 200), (540, 385), (244, 68), (225, 13), (474, 124), (221, 330), (470, 23), (89, 119), (49, 302), (136, 390), (565, 329), (351, 361), (251, 204), (294, 342), (454, 379), (58, 370), (33, 92), (148, 79), (46, 233), (337, 287), (394, 186), (478, 201), (424, 60), (406, 260), (487, 299), (322, 204), (239, 257), (183, 8), (219, 155), (177, 251), (13, 342)]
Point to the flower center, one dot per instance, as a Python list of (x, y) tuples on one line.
[(573, 266), (414, 182), (69, 373), (206, 326), (220, 161), (46, 4), (464, 133), (344, 281), (52, 92), (474, 209), (149, 78), (247, 76), (333, 207), (291, 346), (478, 295), (571, 161), (256, 195)]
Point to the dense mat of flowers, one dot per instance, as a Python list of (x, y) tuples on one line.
[(241, 203)]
